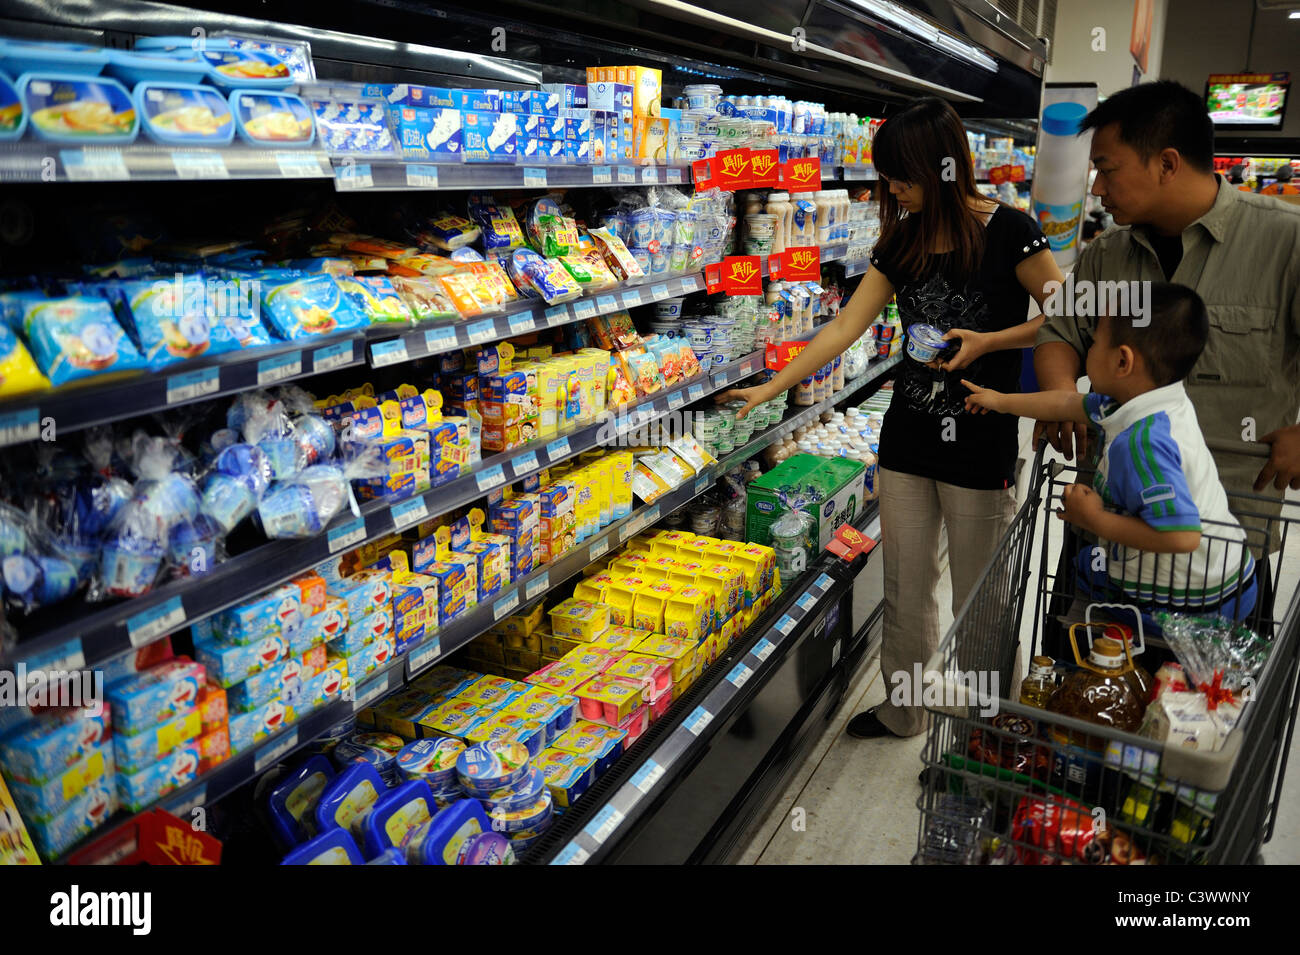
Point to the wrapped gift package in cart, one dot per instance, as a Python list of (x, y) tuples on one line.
[(1157, 734)]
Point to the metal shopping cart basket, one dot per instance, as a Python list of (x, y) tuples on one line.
[(1013, 783)]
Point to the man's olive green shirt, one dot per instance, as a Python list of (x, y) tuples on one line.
[(1243, 258)]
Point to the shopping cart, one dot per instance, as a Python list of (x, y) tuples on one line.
[(1012, 783)]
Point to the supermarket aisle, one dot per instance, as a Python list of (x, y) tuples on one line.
[(858, 797)]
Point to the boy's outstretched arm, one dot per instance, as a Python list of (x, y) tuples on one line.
[(1082, 507), (1042, 405)]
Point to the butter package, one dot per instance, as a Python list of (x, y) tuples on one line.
[(364, 592), (408, 94), (246, 729), (79, 816), (427, 133), (578, 619), (453, 586), (568, 775), (488, 136), (363, 633), (43, 747), (134, 753), (228, 665), (177, 769), (158, 694), (47, 799)]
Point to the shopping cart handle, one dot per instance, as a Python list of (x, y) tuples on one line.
[(1254, 449)]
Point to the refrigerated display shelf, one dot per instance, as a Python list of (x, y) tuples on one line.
[(518, 596), (37, 161), (395, 175)]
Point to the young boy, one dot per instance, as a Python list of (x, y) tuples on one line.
[(1155, 474)]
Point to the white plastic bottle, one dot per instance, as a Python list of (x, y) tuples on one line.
[(1061, 178), (778, 204)]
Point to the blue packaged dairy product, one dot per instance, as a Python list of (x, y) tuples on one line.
[(184, 114), (433, 760), (409, 94), (13, 117), (309, 306), (46, 799), (279, 120), (353, 128), (43, 747), (229, 664), (363, 632), (348, 799), (325, 685), (379, 749), (364, 592), (569, 95), (488, 137), (25, 56), (72, 108), (157, 694), (333, 847), (79, 816), (324, 626), (179, 44), (427, 133), (292, 803), (439, 841), (523, 794), (247, 729), (171, 323), (478, 100), (135, 753), (178, 768), (72, 337), (133, 67), (283, 679), (487, 767), (396, 813), (568, 775), (390, 856), (275, 612), (524, 821), (486, 848), (256, 69)]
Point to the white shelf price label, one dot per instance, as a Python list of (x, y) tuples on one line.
[(270, 370), (534, 178), (335, 356), (557, 315), (490, 478), (299, 165), (606, 303), (696, 392), (806, 601), (584, 308), (422, 177), (521, 323), (763, 649), (422, 656), (649, 174), (572, 854), (481, 332), (632, 299), (785, 624), (651, 516), (739, 675), (699, 718), (600, 174), (388, 353), (192, 801), (347, 535), (149, 625), (676, 400), (437, 340), (647, 776), (18, 426), (674, 176), (353, 176), (659, 291), (196, 384), (371, 693), (627, 173), (94, 164), (702, 484), (627, 530), (822, 583), (535, 588), (747, 367), (598, 549), (505, 605), (271, 755), (408, 512), (557, 449), (524, 463), (603, 825), (200, 166)]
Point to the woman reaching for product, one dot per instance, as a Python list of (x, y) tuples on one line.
[(966, 265)]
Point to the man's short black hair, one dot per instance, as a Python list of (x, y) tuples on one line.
[(1173, 339), (1156, 116)]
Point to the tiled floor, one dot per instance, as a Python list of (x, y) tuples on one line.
[(854, 801)]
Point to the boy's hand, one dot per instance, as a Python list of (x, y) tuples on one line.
[(981, 400), (1080, 505)]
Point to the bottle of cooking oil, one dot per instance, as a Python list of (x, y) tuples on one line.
[(1037, 688)]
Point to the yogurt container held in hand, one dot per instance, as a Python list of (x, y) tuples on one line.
[(925, 343)]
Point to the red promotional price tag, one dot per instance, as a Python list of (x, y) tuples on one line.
[(742, 275), (774, 266), (802, 175), (731, 169), (801, 264), (848, 542), (713, 277), (1017, 173), (779, 354), (764, 169), (998, 174), (702, 173)]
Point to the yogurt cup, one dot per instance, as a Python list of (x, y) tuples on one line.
[(925, 342), (669, 308), (702, 96)]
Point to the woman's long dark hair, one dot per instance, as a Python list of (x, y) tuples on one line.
[(925, 144)]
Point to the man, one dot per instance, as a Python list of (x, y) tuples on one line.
[(1177, 221)]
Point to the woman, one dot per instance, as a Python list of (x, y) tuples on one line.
[(968, 266)]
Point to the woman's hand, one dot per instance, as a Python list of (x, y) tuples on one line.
[(972, 345), (750, 396)]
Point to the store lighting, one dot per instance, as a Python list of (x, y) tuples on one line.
[(1293, 15)]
